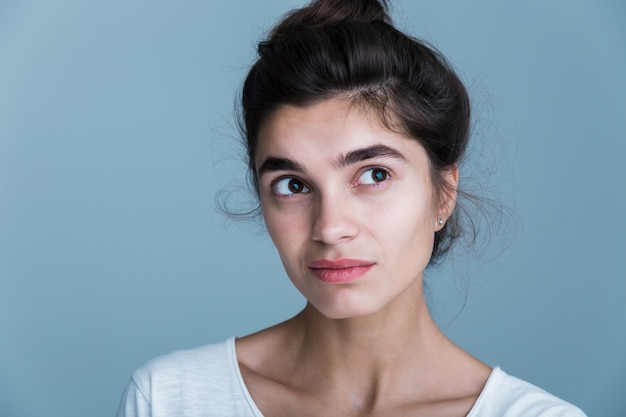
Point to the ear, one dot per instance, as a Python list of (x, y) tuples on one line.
[(447, 195)]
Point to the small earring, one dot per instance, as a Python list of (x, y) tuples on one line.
[(440, 221)]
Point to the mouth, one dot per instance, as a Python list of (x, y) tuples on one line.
[(339, 270)]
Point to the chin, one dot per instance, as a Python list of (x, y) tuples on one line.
[(343, 311)]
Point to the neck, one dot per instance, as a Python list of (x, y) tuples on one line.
[(371, 348), (365, 362)]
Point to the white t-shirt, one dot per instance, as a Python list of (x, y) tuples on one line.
[(207, 382)]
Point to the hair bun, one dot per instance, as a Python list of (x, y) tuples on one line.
[(320, 13)]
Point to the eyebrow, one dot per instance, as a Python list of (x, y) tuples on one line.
[(363, 154), (273, 163)]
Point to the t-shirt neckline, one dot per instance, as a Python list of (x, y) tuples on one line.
[(232, 352)]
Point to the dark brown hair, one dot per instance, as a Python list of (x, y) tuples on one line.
[(349, 48)]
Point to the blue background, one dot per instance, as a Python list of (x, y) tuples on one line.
[(116, 133)]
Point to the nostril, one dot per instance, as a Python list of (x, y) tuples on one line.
[(333, 223)]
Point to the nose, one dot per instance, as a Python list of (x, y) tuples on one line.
[(334, 221)]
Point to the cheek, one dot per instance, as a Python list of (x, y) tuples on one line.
[(273, 227), (408, 227), (285, 230)]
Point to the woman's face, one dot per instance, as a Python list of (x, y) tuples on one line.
[(348, 204)]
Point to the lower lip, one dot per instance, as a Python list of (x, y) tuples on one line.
[(340, 275)]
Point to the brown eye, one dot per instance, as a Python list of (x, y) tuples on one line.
[(289, 185), (379, 175), (373, 176)]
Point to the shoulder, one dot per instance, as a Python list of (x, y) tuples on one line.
[(189, 383), (507, 396), (187, 367)]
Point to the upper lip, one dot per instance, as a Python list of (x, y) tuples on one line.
[(340, 263)]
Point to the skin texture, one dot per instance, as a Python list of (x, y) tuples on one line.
[(336, 185)]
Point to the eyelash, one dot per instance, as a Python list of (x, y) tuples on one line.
[(306, 189), (276, 182), (375, 183)]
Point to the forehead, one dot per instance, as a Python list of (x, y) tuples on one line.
[(327, 128)]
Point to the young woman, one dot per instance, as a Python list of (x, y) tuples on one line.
[(354, 134)]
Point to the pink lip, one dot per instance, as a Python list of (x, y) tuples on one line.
[(339, 270)]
